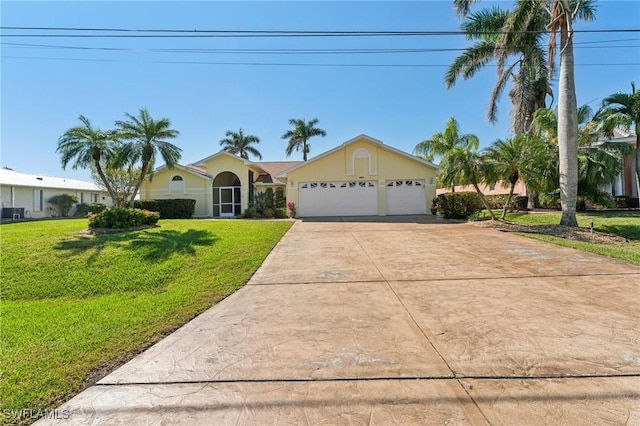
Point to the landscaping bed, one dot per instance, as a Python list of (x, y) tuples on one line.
[(615, 233)]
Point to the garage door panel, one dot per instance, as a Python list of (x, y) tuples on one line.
[(338, 199), (405, 197)]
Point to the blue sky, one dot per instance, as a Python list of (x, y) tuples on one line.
[(45, 89)]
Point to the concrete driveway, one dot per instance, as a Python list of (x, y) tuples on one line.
[(408, 320)]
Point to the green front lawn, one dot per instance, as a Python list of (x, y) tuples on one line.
[(74, 305), (625, 224)]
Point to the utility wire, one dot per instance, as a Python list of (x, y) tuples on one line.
[(282, 64), (260, 33), (292, 51)]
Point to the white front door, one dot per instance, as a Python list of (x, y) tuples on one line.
[(338, 199), (227, 201)]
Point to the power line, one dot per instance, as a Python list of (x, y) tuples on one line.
[(173, 33), (281, 64), (318, 51)]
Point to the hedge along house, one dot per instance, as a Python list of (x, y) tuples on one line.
[(361, 177), (27, 195)]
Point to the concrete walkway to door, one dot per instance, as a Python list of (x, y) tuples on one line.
[(407, 320)]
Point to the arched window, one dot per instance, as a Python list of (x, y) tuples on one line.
[(361, 162), (176, 184)]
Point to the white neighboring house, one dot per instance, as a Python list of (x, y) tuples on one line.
[(626, 182), (28, 195)]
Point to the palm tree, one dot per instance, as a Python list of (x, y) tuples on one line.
[(147, 138), (441, 144), (528, 72), (560, 16), (519, 158), (238, 143), (300, 135), (463, 165), (90, 147), (622, 109)]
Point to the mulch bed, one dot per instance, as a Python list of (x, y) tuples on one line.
[(100, 231), (570, 233)]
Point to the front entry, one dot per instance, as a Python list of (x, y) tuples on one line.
[(226, 195), (229, 198)]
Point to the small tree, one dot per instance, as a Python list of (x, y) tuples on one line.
[(63, 203), (121, 177)]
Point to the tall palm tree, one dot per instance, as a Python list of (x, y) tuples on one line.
[(90, 147), (463, 165), (441, 144), (300, 134), (529, 72), (622, 109), (560, 17), (519, 158), (238, 143), (147, 138)]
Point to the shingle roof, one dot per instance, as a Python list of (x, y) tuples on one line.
[(273, 168), (13, 178)]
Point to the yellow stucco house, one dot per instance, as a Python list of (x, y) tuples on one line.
[(361, 177)]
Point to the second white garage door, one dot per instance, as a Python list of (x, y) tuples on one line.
[(338, 199), (406, 197)]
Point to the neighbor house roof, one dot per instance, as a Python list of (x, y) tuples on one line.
[(12, 178), (374, 141), (273, 168), (189, 168)]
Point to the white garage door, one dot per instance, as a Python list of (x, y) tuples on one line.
[(338, 199), (406, 197)]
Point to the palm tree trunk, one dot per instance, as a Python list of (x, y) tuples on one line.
[(143, 173), (110, 190), (484, 200), (304, 150), (567, 131), (506, 205)]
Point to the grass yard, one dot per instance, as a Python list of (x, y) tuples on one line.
[(625, 224), (74, 305)]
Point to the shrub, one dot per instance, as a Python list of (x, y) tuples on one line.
[(292, 208), (260, 201), (175, 208), (123, 218), (63, 203), (280, 213), (84, 209), (279, 200), (268, 212), (550, 200), (458, 205), (269, 198), (496, 201), (250, 213)]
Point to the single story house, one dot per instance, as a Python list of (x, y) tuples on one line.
[(27, 195), (360, 177)]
